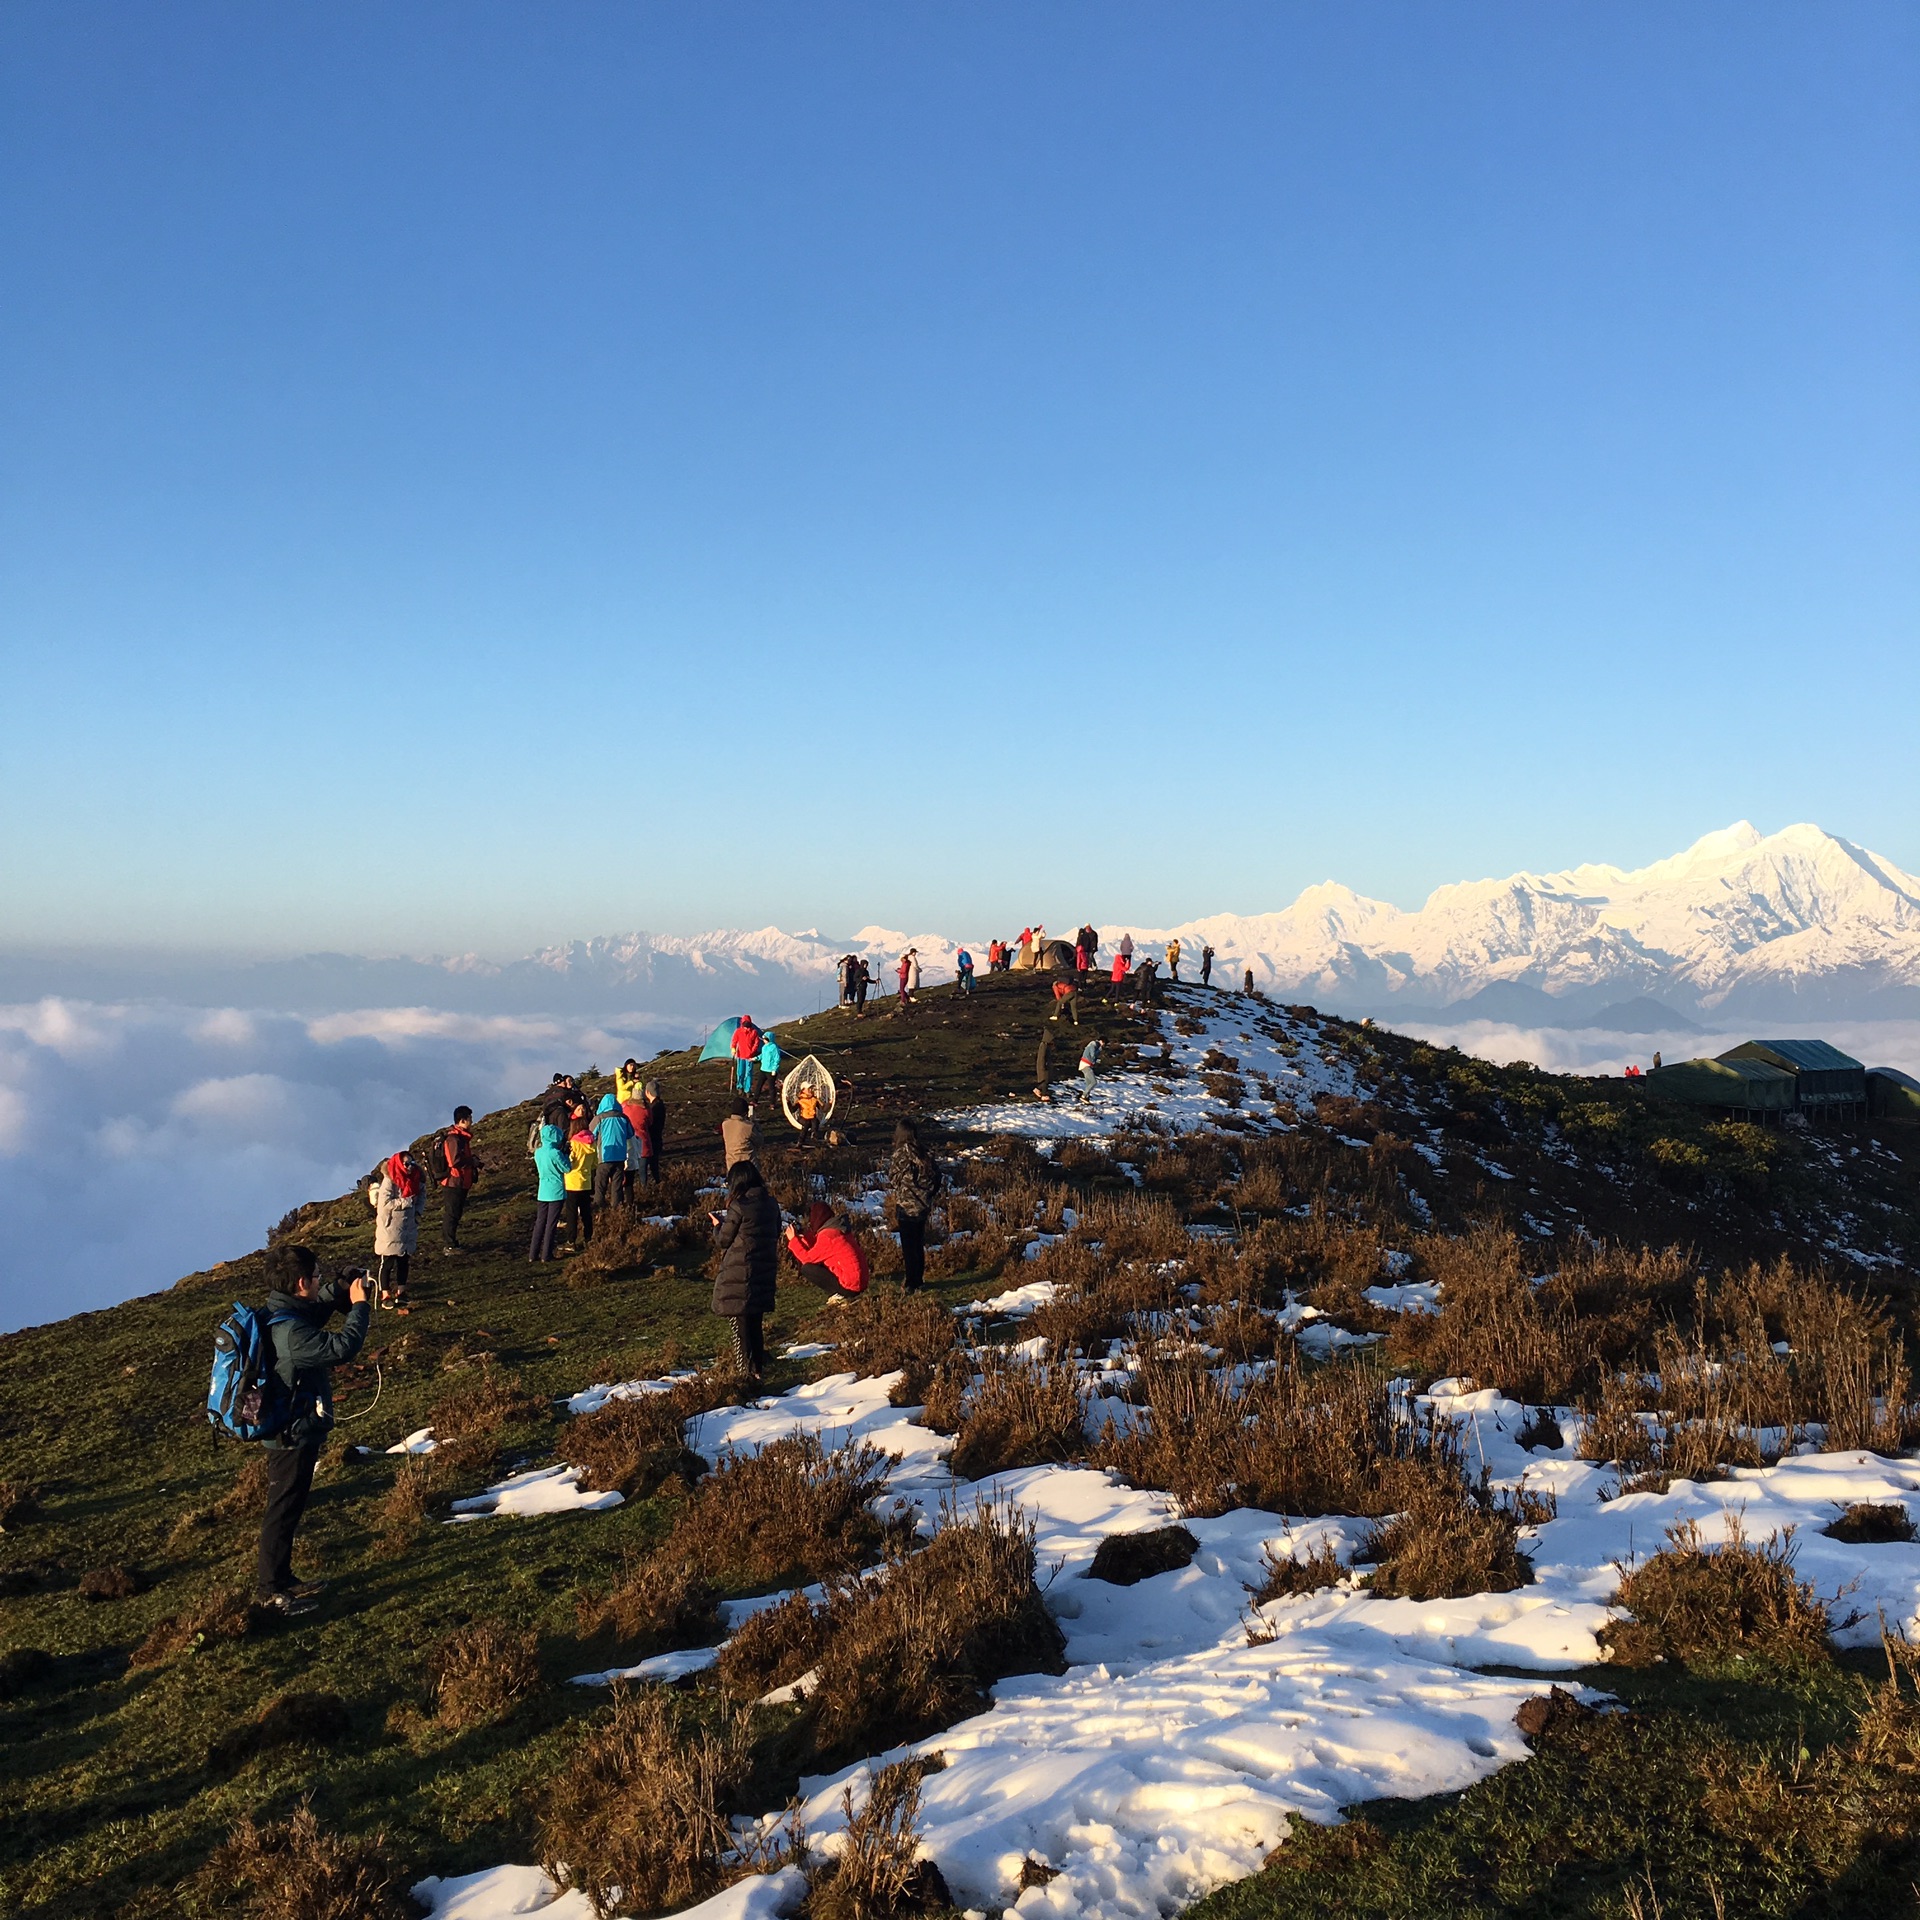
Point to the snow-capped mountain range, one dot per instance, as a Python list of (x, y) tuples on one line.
[(1741, 926)]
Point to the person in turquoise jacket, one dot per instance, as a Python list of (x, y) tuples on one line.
[(769, 1055), (551, 1161), (612, 1134)]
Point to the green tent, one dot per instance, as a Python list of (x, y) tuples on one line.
[(1741, 1086), (1892, 1095)]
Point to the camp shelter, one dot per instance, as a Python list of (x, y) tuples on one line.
[(1827, 1082), (1892, 1095), (1754, 1089)]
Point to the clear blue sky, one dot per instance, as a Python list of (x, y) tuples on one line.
[(479, 474)]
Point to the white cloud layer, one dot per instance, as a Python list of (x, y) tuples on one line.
[(139, 1142)]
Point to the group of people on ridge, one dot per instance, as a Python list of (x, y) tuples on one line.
[(586, 1161)]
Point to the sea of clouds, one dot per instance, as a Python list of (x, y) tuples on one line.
[(142, 1141)]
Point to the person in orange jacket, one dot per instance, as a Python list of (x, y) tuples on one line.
[(827, 1244)]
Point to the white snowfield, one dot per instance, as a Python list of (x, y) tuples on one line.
[(1172, 1755), (1268, 1045)]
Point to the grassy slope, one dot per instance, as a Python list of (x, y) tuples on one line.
[(105, 1800)]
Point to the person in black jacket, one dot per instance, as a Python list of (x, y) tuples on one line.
[(914, 1182), (299, 1305), (747, 1236)]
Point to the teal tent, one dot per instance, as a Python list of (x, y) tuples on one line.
[(720, 1041)]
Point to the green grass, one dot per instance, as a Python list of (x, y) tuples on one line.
[(106, 1803)]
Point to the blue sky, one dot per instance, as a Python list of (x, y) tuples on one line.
[(474, 475)]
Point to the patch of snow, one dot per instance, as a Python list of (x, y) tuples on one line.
[(421, 1441), (662, 1668), (1414, 1296), (1016, 1303), (541, 1490)]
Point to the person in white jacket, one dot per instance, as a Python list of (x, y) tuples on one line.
[(396, 1198)]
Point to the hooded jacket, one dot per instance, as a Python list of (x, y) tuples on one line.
[(550, 1162), (583, 1160), (746, 1040), (830, 1245), (748, 1240), (304, 1355), (740, 1137), (769, 1055), (913, 1180), (396, 1214), (612, 1130), (458, 1165)]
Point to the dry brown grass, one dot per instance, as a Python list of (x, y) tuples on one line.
[(1692, 1602), (635, 1445), (792, 1513), (294, 1870), (888, 1332), (482, 1671), (662, 1603), (1865, 1524), (1022, 1413), (623, 1242), (114, 1581), (221, 1613), (911, 1648), (1450, 1540), (878, 1873), (1493, 1326), (481, 1407), (1125, 1559), (639, 1821)]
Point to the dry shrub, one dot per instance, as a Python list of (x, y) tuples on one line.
[(246, 1499), (422, 1480), (635, 1444), (1865, 1524), (1096, 1301), (1135, 1227), (1693, 1602), (19, 1505), (1493, 1326), (114, 1581), (293, 1720), (1125, 1559), (1849, 1366), (878, 1873), (481, 1671), (1450, 1540), (661, 1604), (888, 1332), (1022, 1413), (1286, 1574), (791, 1513), (481, 1407), (294, 1870), (21, 1668), (640, 1820), (946, 1395), (913, 1647), (221, 1613), (782, 1640), (623, 1242)]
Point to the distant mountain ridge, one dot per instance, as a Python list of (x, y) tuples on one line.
[(1794, 925)]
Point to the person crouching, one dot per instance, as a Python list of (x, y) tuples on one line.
[(828, 1255)]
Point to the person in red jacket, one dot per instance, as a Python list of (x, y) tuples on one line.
[(746, 1050), (827, 1244), (459, 1168)]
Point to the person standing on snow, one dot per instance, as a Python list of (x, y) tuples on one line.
[(459, 1169), (1206, 966), (913, 1179), (1089, 1065), (396, 1199), (613, 1137), (1173, 959), (747, 1238), (1246, 986), (551, 1163), (299, 1305)]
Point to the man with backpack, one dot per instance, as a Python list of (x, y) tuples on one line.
[(459, 1168), (302, 1356)]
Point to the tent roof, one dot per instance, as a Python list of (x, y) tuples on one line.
[(1724, 1083), (1814, 1055)]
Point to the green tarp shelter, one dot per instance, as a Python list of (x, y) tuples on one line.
[(1892, 1095), (1741, 1086), (1825, 1079)]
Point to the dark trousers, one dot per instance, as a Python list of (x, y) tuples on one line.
[(289, 1481), (454, 1204), (649, 1169), (822, 1279), (913, 1246), (1206, 973), (393, 1273), (576, 1214), (750, 1342), (546, 1223), (610, 1186)]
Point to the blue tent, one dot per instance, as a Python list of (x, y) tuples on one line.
[(720, 1041)]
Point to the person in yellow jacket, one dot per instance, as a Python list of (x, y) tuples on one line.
[(583, 1162), (1173, 959)]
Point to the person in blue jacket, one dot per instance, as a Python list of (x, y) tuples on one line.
[(551, 1162), (963, 969), (612, 1134), (769, 1057)]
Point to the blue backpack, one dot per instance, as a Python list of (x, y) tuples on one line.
[(247, 1398)]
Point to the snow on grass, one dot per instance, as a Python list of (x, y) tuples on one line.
[(419, 1441), (541, 1490), (592, 1399), (1412, 1296), (503, 1893), (1173, 1753), (1266, 1043), (1016, 1303)]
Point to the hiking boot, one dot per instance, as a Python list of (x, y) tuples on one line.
[(305, 1589), (289, 1606)]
